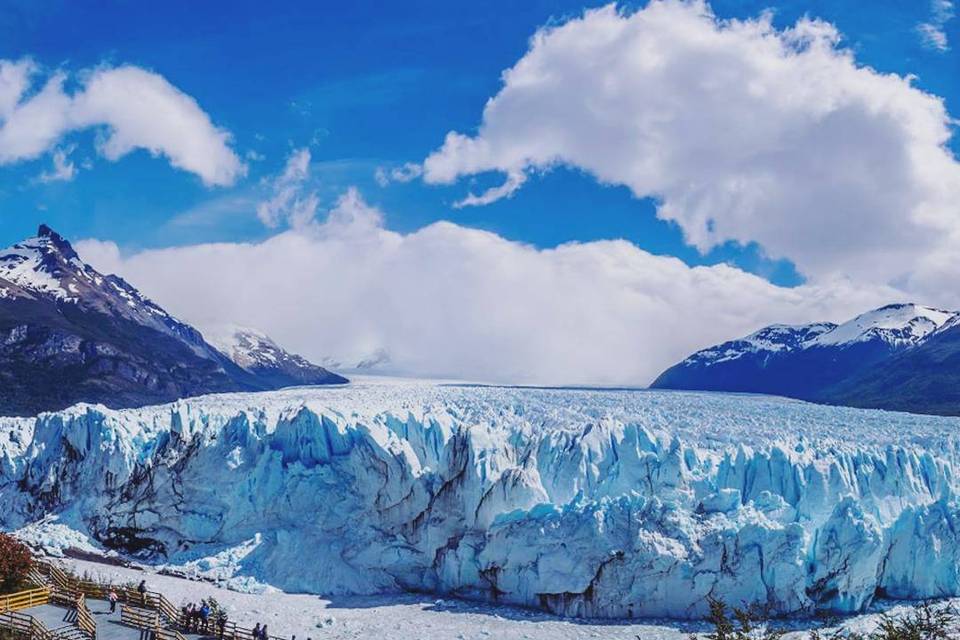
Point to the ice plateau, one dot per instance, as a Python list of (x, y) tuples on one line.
[(599, 503)]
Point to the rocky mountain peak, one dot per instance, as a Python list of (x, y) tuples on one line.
[(71, 334)]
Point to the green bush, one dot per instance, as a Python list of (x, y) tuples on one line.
[(926, 621), (745, 624)]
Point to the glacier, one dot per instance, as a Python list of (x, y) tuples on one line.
[(593, 503)]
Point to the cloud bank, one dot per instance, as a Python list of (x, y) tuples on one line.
[(137, 109), (448, 300), (740, 131)]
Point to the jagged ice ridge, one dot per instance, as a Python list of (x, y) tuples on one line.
[(594, 503)]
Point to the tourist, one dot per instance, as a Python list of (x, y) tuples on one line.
[(221, 623), (142, 590), (112, 598), (204, 615)]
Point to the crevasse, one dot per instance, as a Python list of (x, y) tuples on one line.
[(588, 503)]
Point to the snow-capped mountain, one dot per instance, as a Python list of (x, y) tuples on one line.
[(817, 361), (69, 334), (47, 268), (256, 352), (899, 325), (777, 338), (617, 504), (923, 379)]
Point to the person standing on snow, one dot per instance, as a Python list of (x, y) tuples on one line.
[(221, 623), (204, 615)]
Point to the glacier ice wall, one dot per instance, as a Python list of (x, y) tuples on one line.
[(587, 503)]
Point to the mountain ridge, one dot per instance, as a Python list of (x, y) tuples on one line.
[(70, 334), (879, 359), (258, 353)]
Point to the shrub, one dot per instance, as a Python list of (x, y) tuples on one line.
[(15, 563), (925, 622), (746, 624)]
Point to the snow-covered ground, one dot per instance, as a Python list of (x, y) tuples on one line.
[(394, 617), (594, 503), (409, 617)]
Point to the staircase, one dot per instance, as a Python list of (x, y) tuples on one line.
[(64, 592)]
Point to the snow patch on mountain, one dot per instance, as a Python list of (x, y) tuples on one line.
[(896, 324), (22, 265), (245, 346), (257, 353), (598, 503), (777, 338), (47, 267)]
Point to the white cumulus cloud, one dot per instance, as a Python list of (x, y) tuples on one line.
[(136, 108), (740, 132), (63, 170), (291, 201), (448, 300)]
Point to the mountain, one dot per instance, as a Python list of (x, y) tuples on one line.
[(258, 354), (376, 362), (70, 334), (895, 357), (923, 379), (596, 503)]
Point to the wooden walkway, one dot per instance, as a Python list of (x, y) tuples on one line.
[(64, 607), (15, 619)]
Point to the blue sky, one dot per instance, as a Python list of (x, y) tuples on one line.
[(542, 192), (364, 85)]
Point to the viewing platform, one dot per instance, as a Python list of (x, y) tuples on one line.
[(64, 607)]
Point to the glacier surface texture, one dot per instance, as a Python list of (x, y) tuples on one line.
[(610, 504)]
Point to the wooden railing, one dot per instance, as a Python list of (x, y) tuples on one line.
[(164, 633), (36, 576), (69, 632), (17, 623), (25, 626), (85, 618), (234, 632), (63, 598), (151, 610), (149, 620), (159, 603), (64, 591), (24, 599), (140, 618)]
